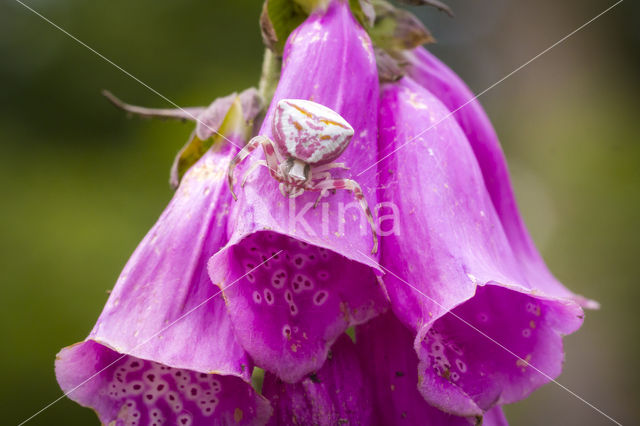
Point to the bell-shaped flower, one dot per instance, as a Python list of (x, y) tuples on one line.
[(453, 310), (390, 365), (163, 350), (444, 84), (338, 393), (319, 280), (487, 331), (370, 382)]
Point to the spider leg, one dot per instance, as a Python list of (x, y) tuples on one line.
[(319, 172), (351, 185), (325, 176), (253, 167), (244, 152), (317, 176), (298, 192), (282, 189), (270, 156), (322, 193), (295, 191), (330, 166), (289, 191)]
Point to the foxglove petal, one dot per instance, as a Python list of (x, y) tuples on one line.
[(125, 390), (442, 82), (319, 282), (385, 351), (450, 243), (164, 314), (337, 394)]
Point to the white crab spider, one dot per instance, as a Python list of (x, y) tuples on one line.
[(308, 137)]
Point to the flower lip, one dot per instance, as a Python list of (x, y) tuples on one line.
[(477, 356), (290, 299), (389, 363), (124, 389)]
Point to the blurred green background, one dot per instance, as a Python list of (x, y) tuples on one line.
[(82, 184)]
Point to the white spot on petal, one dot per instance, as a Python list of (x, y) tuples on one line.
[(279, 278), (268, 296), (185, 419), (320, 297)]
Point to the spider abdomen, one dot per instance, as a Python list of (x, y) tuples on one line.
[(309, 131)]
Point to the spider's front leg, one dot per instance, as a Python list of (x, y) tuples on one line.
[(254, 166), (351, 185), (269, 153)]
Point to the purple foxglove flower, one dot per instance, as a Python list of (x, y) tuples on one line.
[(320, 281), (338, 393), (442, 82), (390, 366), (163, 350), (451, 260), (370, 382)]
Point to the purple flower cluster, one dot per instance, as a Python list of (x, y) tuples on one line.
[(455, 316)]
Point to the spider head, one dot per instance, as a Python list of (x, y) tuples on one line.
[(297, 171)]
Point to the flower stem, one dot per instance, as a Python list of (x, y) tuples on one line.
[(271, 66)]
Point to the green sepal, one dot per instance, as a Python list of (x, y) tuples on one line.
[(390, 69), (442, 7), (310, 6), (187, 157), (279, 18), (233, 125), (363, 11), (397, 29)]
